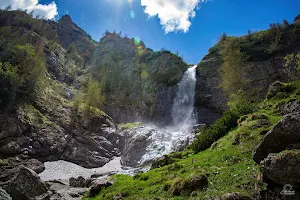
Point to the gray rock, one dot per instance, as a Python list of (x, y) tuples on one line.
[(291, 106), (26, 185), (10, 148), (77, 182), (4, 195), (61, 191), (283, 168), (162, 161), (99, 184), (285, 133), (35, 165)]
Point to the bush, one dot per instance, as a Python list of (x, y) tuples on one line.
[(208, 136)]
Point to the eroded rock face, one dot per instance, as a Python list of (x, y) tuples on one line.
[(90, 144), (281, 137), (283, 168)]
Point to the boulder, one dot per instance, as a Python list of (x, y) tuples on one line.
[(162, 161), (234, 196), (77, 182), (99, 184), (187, 186), (283, 168), (61, 191), (4, 195), (274, 89), (26, 185), (284, 134), (35, 165)]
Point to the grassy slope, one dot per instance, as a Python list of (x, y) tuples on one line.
[(229, 167)]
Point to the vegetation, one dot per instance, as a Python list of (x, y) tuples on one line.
[(130, 125), (233, 70), (228, 164), (22, 68), (222, 126), (292, 65)]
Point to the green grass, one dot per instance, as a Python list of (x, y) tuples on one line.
[(229, 167), (129, 125)]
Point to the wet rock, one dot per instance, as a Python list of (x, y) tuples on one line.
[(285, 133), (26, 185), (283, 168), (4, 195), (98, 184), (233, 196), (35, 165), (77, 182)]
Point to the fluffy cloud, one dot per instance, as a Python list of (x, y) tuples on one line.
[(174, 15), (46, 11)]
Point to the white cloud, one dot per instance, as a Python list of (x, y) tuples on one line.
[(48, 11), (174, 15)]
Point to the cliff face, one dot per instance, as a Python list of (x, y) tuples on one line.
[(139, 84), (264, 64)]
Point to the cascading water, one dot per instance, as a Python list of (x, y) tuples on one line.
[(183, 107), (147, 142), (178, 135)]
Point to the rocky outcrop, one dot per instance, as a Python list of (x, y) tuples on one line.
[(61, 191), (26, 185), (91, 144), (99, 184), (77, 182), (283, 168), (283, 136), (162, 114)]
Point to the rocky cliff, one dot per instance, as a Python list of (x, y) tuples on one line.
[(264, 52)]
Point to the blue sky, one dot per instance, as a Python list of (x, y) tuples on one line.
[(211, 19)]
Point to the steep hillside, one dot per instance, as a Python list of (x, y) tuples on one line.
[(264, 53), (55, 79)]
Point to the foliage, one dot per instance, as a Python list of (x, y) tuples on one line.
[(292, 65), (228, 166), (130, 125), (93, 98), (8, 79), (22, 68), (238, 107), (232, 70)]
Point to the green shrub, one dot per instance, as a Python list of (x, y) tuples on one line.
[(222, 126)]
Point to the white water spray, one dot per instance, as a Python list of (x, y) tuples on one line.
[(183, 107)]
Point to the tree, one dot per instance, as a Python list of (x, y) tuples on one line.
[(93, 98), (8, 84), (232, 70)]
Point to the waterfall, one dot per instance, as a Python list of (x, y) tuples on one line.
[(146, 142), (183, 108)]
